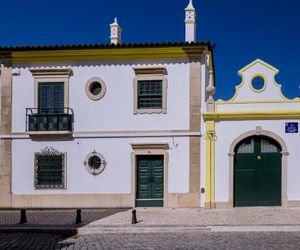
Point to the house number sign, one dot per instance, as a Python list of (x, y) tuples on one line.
[(291, 127)]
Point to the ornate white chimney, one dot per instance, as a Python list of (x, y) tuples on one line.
[(115, 32), (190, 23)]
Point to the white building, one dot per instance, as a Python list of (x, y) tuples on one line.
[(252, 144), (104, 125)]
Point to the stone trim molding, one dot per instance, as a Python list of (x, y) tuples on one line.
[(92, 170), (5, 129), (111, 134), (284, 153), (194, 126), (163, 146), (150, 71), (40, 73), (88, 88), (54, 152), (149, 151), (146, 74), (51, 75)]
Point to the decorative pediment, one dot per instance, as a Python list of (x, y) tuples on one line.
[(258, 84)]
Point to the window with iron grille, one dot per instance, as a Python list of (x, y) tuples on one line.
[(150, 94), (49, 170)]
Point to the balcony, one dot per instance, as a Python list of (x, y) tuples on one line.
[(40, 121)]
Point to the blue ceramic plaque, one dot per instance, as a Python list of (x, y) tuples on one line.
[(291, 127)]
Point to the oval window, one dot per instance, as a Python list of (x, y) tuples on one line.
[(258, 83)]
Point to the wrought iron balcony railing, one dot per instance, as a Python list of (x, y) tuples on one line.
[(49, 119)]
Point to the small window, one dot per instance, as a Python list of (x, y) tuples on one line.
[(258, 83), (268, 146), (95, 163), (150, 94), (150, 90), (246, 147), (49, 169), (95, 88)]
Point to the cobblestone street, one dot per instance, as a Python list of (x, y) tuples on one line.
[(238, 228), (190, 240)]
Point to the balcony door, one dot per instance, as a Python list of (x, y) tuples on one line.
[(51, 97), (50, 115)]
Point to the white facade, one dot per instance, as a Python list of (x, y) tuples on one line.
[(256, 112), (104, 125), (114, 112), (108, 124)]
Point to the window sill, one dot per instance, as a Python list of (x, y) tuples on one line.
[(50, 133), (150, 111)]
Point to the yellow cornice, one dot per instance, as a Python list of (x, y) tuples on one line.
[(105, 54), (252, 115)]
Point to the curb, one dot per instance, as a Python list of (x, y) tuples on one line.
[(102, 230), (262, 228), (152, 229)]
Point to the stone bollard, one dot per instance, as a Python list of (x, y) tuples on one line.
[(133, 220), (78, 216), (23, 218)]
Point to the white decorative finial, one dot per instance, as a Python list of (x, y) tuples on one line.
[(115, 32), (190, 6)]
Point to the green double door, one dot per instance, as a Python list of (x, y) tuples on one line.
[(257, 172), (150, 181)]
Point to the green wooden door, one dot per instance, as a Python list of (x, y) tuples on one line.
[(257, 172), (150, 184)]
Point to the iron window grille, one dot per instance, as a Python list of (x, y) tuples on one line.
[(49, 169), (95, 163)]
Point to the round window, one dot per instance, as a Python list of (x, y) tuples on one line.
[(95, 88), (95, 163), (258, 83)]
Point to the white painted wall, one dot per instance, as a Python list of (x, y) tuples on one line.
[(270, 99), (228, 131), (116, 178), (114, 112)]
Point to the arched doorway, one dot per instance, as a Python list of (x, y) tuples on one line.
[(257, 172)]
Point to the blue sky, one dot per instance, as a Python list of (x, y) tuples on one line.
[(242, 30)]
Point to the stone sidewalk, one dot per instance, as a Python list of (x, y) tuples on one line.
[(155, 219)]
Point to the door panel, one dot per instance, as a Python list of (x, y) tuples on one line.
[(257, 176), (269, 179), (244, 179)]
